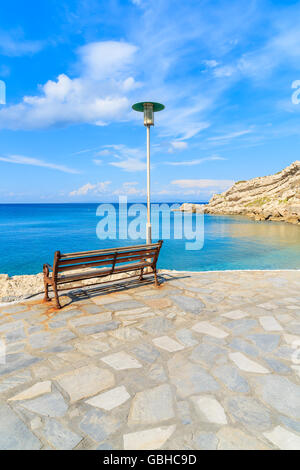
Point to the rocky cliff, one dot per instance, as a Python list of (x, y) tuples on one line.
[(189, 207), (274, 197)]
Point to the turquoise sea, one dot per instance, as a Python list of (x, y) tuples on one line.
[(31, 233)]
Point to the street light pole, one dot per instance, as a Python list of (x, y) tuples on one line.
[(148, 108), (149, 238)]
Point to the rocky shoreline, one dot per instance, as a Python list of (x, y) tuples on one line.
[(18, 288), (275, 197)]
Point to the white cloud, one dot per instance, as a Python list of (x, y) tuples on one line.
[(177, 145), (211, 63), (281, 48), (110, 75), (200, 184), (13, 44), (104, 153), (128, 159), (63, 102), (130, 164), (85, 151), (97, 188), (103, 60), (230, 136), (130, 189), (98, 162), (192, 129), (191, 188), (182, 122), (83, 190), (224, 71), (22, 160), (129, 84), (106, 83), (97, 96), (195, 162)]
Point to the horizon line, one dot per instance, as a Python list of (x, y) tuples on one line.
[(104, 202)]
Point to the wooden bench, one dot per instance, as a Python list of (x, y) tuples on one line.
[(109, 261)]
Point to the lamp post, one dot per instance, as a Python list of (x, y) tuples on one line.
[(148, 108)]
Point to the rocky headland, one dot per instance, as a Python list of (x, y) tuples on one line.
[(275, 197)]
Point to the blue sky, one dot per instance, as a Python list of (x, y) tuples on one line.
[(72, 69)]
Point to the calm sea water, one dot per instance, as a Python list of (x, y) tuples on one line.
[(31, 233)]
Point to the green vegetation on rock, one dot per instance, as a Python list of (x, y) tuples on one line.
[(259, 202)]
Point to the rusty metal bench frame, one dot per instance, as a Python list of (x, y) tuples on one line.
[(110, 261)]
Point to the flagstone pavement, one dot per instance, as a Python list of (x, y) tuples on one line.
[(205, 361)]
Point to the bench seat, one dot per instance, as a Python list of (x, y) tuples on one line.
[(101, 273)]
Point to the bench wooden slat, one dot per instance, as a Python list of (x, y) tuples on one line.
[(133, 267), (78, 277), (135, 258), (137, 252), (85, 259), (61, 269), (111, 261), (108, 250)]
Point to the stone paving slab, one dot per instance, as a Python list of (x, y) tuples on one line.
[(205, 361)]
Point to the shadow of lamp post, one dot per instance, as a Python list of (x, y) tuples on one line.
[(148, 108)]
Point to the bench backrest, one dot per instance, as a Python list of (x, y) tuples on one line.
[(109, 257)]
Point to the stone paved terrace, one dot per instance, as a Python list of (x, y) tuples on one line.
[(206, 361)]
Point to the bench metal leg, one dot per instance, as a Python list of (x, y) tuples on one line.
[(46, 283), (46, 296), (141, 275), (57, 304)]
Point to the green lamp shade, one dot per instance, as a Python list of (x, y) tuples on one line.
[(140, 106)]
